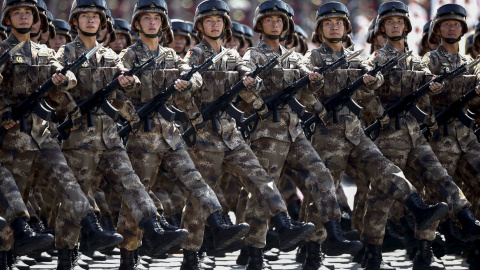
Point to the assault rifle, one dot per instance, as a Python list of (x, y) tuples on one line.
[(99, 98), (158, 102), (35, 103), (453, 111), (408, 103), (224, 102), (287, 96)]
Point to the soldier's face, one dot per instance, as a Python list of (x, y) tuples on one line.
[(21, 17), (36, 27), (451, 29), (234, 42), (150, 22), (333, 28), (212, 25), (45, 37), (120, 43), (179, 43), (88, 21), (272, 25), (58, 41), (394, 26)]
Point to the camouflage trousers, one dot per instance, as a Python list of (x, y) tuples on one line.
[(230, 190), (73, 204), (115, 165), (199, 195), (12, 207), (295, 177), (175, 196), (423, 168), (264, 198), (301, 157)]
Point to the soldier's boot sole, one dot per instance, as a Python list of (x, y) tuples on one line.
[(430, 216), (289, 238), (103, 240), (336, 248), (167, 240), (230, 235)]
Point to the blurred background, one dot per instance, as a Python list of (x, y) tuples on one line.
[(361, 13)]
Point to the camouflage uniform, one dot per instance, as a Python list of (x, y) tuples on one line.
[(99, 146), (458, 152), (226, 150), (147, 150), (32, 66), (406, 147), (292, 149)]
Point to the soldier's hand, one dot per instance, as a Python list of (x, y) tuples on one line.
[(11, 125), (435, 87), (314, 76), (135, 123), (6, 118), (263, 112), (182, 86), (477, 89), (384, 122), (248, 81), (321, 115), (368, 79), (126, 81), (433, 132), (59, 79)]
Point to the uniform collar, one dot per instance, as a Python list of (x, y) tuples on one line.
[(391, 49), (267, 48), (208, 48)]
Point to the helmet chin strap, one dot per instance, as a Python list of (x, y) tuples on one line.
[(451, 40), (158, 34), (35, 34), (273, 37), (22, 30), (334, 40), (397, 38)]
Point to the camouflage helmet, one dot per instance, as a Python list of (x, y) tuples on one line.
[(426, 29), (389, 9), (239, 32), (110, 27), (51, 27), (193, 33), (11, 4), (121, 26), (469, 44), (271, 7), (371, 31), (80, 6), (448, 12), (154, 6), (181, 28), (63, 28), (42, 11), (248, 34), (291, 22), (333, 10), (213, 7)]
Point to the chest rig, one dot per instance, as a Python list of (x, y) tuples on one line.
[(280, 77), (218, 78), (399, 83), (25, 75), (453, 90), (154, 80)]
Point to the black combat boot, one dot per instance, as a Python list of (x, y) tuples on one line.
[(160, 240), (127, 260), (474, 257), (256, 262), (165, 224), (272, 240), (453, 237), (336, 244), (314, 259), (242, 258), (3, 260), (470, 226), (96, 237), (425, 215), (289, 234), (26, 240), (358, 258), (190, 261), (65, 260), (301, 253), (3, 223), (408, 229), (391, 240), (374, 260), (351, 235), (424, 260), (223, 234)]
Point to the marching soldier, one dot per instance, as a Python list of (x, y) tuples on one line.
[(406, 146), (150, 20), (99, 147), (62, 37), (181, 37), (20, 150), (123, 39), (226, 148)]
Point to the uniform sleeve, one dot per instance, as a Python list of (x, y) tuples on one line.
[(61, 95), (308, 97), (196, 80), (368, 96), (251, 94), (184, 100)]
